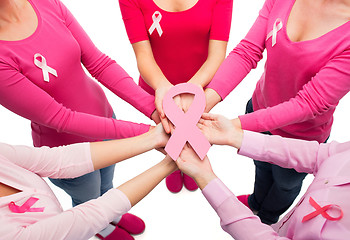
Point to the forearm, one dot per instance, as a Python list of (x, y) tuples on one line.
[(106, 153), (138, 187), (212, 98)]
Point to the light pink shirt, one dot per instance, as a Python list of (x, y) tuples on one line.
[(23, 168), (71, 107), (330, 163), (302, 82)]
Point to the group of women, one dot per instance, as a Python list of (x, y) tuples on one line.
[(43, 49)]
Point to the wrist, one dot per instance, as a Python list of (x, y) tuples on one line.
[(203, 179), (236, 137)]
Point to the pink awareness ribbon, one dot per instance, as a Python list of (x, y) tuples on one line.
[(185, 123), (156, 17), (44, 67), (276, 27), (322, 211), (26, 207)]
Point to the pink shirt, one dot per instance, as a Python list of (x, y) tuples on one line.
[(182, 48), (302, 82), (330, 163), (71, 107), (23, 168)]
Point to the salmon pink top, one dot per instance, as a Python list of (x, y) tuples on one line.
[(302, 82), (42, 79), (179, 40)]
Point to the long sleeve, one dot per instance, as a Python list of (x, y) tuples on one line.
[(320, 95), (236, 219), (244, 56), (58, 162), (303, 156), (107, 71), (81, 222), (21, 96)]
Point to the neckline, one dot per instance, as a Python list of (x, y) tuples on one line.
[(171, 12), (36, 30), (286, 19)]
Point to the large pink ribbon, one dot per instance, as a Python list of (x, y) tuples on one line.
[(322, 211), (185, 123), (26, 207)]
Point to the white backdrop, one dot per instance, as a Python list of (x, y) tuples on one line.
[(185, 215)]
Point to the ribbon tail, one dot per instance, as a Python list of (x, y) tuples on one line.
[(175, 145), (199, 143)]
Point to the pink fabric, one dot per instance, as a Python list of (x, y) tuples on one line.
[(23, 168), (330, 163), (183, 47), (70, 107), (302, 83)]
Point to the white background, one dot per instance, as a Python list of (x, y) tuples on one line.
[(185, 215)]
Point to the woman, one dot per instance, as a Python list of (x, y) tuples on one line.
[(306, 74), (42, 217), (322, 213), (176, 42), (42, 79)]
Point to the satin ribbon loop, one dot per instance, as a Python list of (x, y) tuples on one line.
[(185, 123), (276, 27), (44, 67), (26, 207), (156, 17), (322, 211)]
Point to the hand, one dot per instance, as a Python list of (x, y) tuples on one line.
[(160, 136), (186, 101), (155, 117), (189, 163), (212, 98), (159, 96), (220, 130)]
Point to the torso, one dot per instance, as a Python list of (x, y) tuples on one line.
[(175, 5), (6, 190)]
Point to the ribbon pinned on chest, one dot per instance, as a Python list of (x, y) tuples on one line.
[(276, 27), (185, 123), (322, 211), (156, 17), (43, 65), (26, 207)]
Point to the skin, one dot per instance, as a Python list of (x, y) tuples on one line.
[(219, 130), (106, 153), (308, 20), (154, 76)]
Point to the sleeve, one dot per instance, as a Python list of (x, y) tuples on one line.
[(80, 222), (321, 94), (21, 96), (244, 56), (303, 156), (133, 20), (107, 71), (59, 162), (236, 219), (221, 22)]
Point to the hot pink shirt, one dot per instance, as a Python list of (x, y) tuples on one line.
[(23, 168), (302, 82), (182, 48), (71, 107), (330, 164)]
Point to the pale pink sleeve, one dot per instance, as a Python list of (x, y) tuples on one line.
[(58, 162), (244, 56), (236, 219), (21, 96), (106, 70), (81, 222), (303, 156)]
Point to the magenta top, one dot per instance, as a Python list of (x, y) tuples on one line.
[(302, 82), (23, 168), (69, 107), (182, 47), (330, 164)]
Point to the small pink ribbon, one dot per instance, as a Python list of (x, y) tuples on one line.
[(276, 27), (26, 207), (44, 67), (156, 17), (322, 211), (185, 123)]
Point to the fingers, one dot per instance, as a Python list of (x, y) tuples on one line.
[(210, 116), (166, 124)]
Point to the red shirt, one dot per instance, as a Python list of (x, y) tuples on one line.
[(182, 48)]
